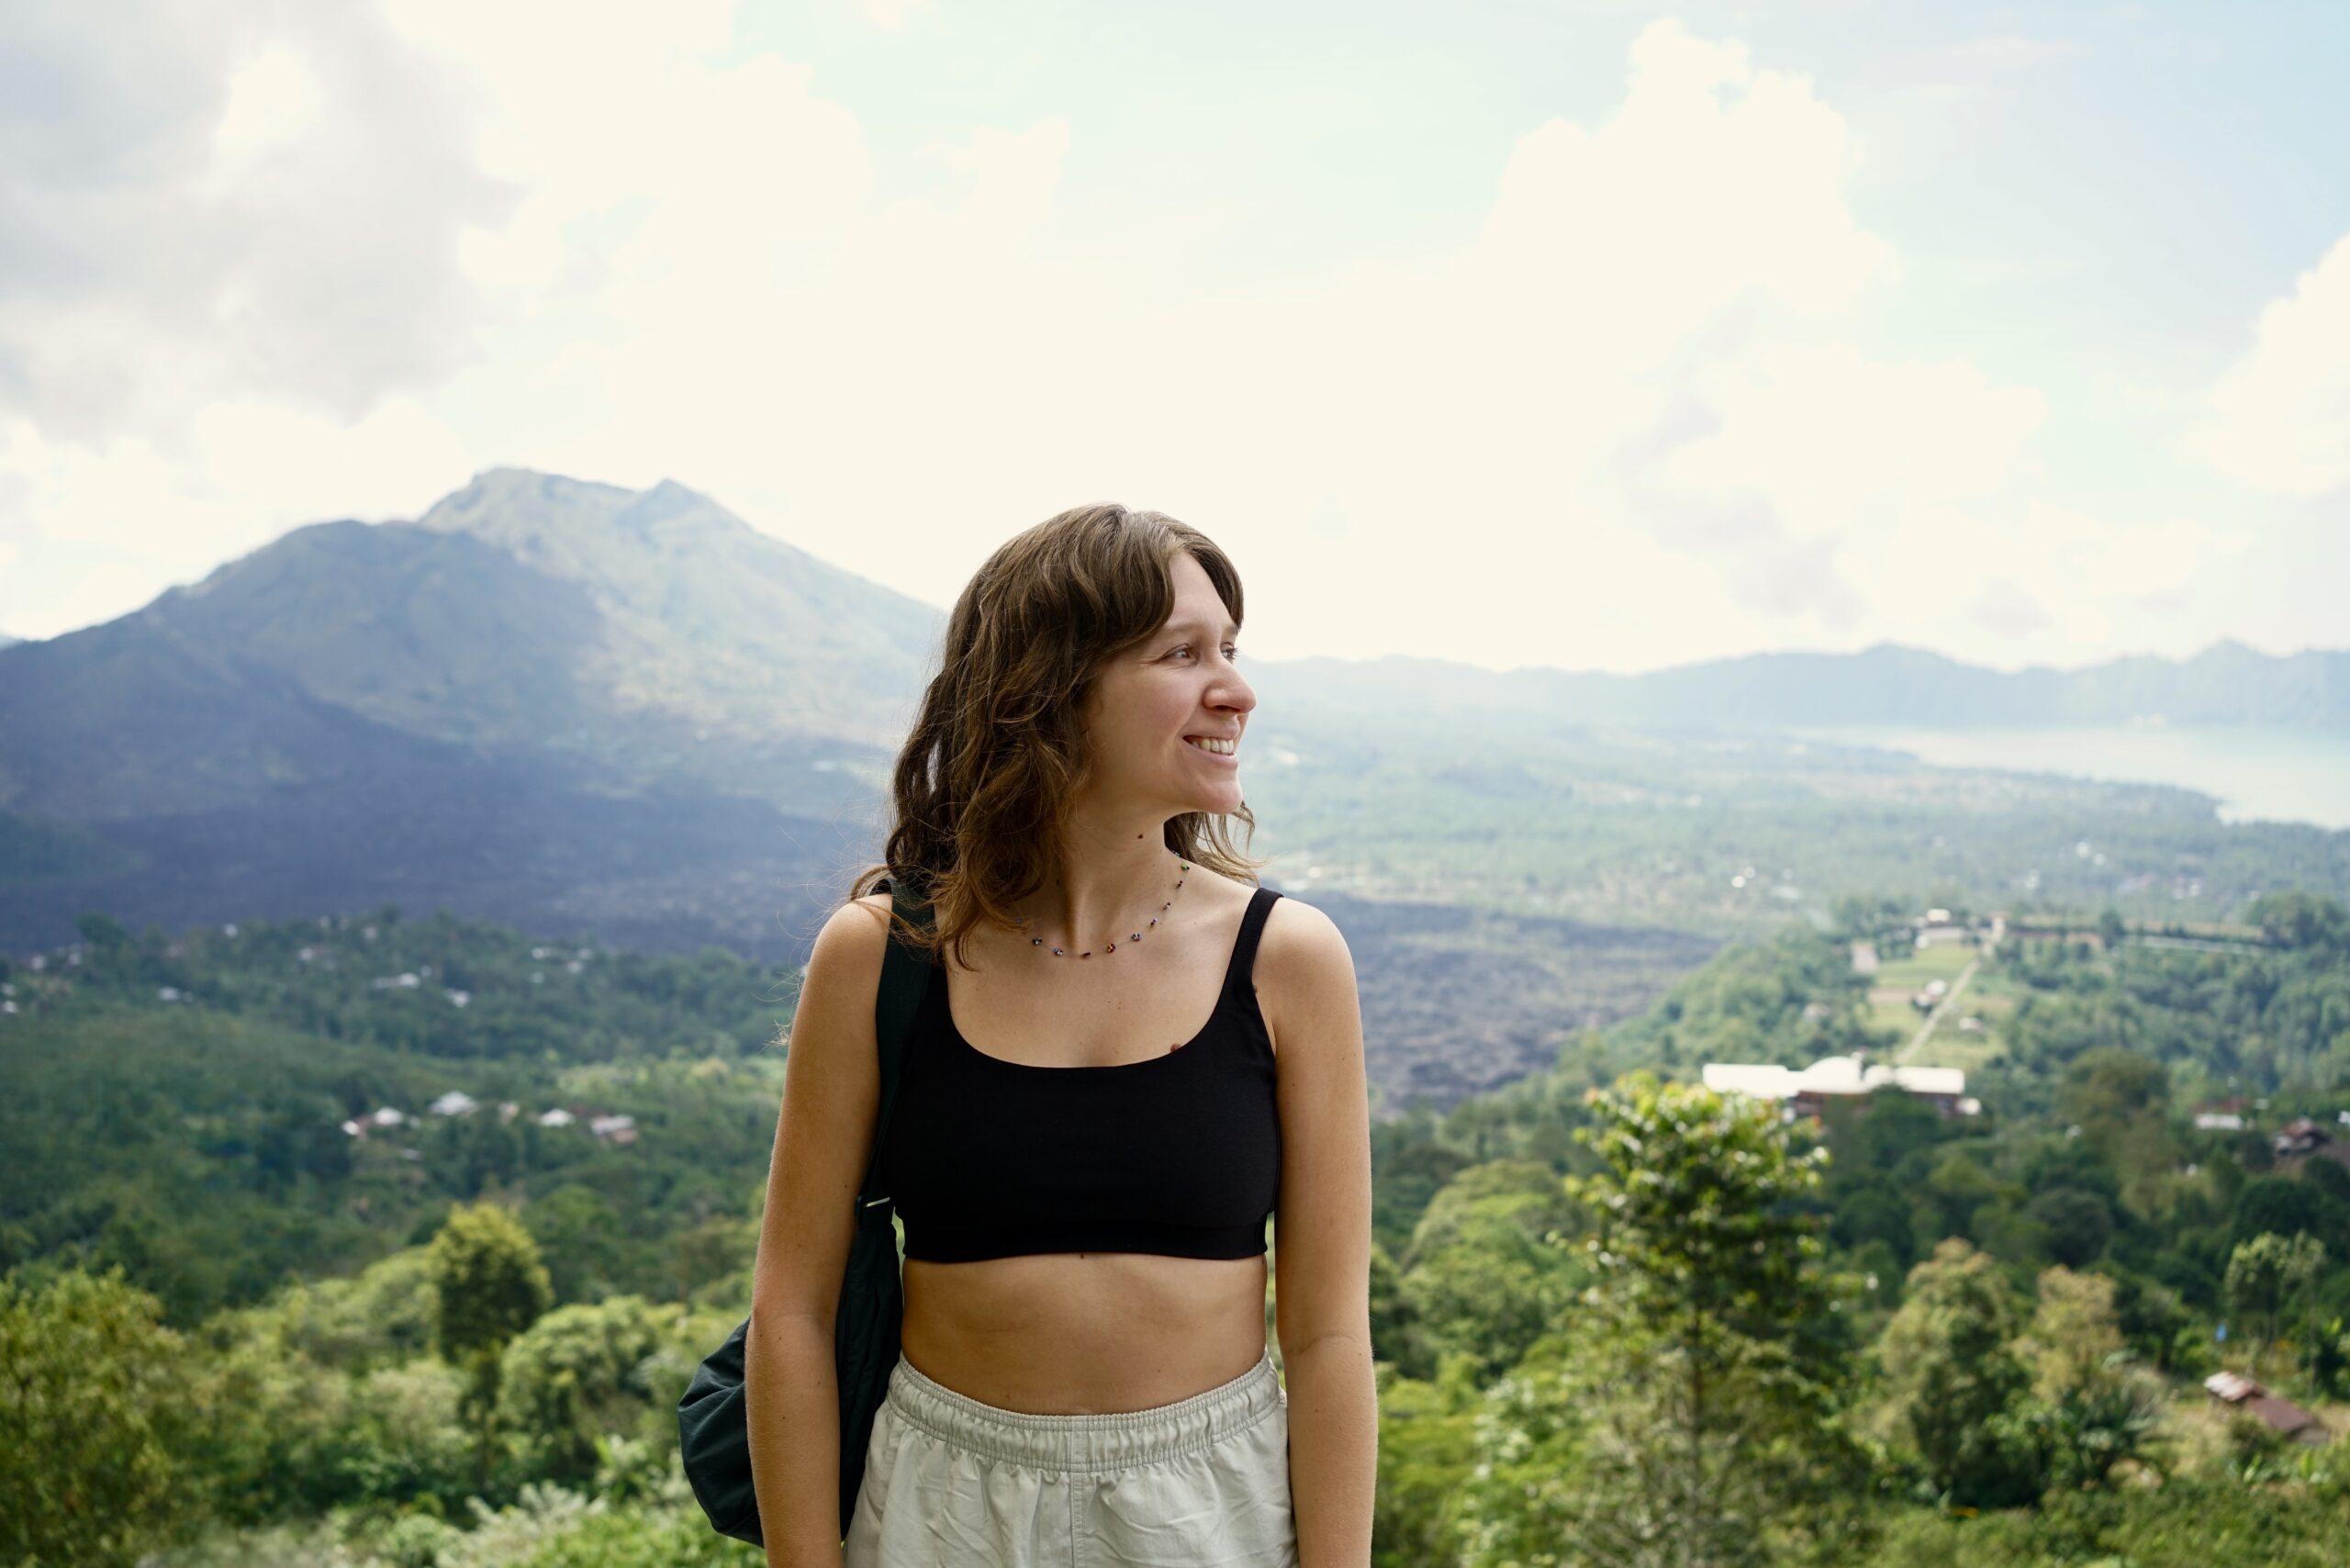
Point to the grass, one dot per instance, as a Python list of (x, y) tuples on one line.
[(1914, 967), (1898, 980)]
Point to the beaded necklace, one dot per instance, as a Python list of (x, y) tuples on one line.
[(1131, 936)]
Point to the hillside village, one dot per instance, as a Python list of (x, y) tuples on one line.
[(466, 996), (608, 1128), (1918, 972)]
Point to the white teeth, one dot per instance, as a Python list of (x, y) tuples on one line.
[(1221, 747)]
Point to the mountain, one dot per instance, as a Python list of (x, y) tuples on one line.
[(546, 701), (6, 640), (561, 704), (2226, 684), (645, 637), (703, 619)]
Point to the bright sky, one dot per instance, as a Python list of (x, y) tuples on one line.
[(1602, 335)]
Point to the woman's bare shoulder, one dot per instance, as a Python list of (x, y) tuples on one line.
[(1298, 932), (854, 939), (1304, 966)]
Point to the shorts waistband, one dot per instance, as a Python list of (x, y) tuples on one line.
[(1086, 1443)]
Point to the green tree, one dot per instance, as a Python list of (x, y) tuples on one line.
[(1480, 1276), (2073, 1331), (573, 1377), (1427, 1448), (1395, 1323), (273, 1422), (580, 1236), (1955, 1189), (103, 932), (2097, 1408), (1951, 1380), (2075, 1226), (386, 1314), (2108, 1086), (491, 1286), (1688, 1418), (2285, 1206), (490, 1283), (404, 1437), (2324, 1353), (2300, 919), (93, 1424), (719, 1248), (2265, 1276)]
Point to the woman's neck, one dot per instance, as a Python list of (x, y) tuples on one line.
[(1103, 887)]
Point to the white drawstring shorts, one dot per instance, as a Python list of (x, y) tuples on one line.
[(950, 1482)]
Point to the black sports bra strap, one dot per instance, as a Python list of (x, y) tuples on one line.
[(1243, 951)]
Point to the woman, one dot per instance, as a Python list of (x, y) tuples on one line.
[(1128, 1059)]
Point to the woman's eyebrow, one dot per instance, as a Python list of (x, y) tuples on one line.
[(1229, 629)]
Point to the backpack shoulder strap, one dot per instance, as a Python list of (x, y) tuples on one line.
[(904, 978)]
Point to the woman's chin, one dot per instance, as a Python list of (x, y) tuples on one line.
[(1215, 802)]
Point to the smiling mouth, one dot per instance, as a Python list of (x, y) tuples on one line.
[(1213, 747)]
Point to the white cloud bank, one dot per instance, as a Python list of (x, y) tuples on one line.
[(2278, 418), (1637, 418)]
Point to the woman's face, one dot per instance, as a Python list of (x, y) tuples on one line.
[(1150, 703)]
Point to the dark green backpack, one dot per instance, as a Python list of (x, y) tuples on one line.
[(710, 1424)]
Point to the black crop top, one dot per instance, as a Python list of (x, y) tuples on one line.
[(1178, 1153)]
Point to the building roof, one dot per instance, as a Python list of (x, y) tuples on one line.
[(2232, 1386), (2289, 1418), (1830, 1075)]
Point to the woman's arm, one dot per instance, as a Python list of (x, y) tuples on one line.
[(831, 1081), (1322, 1232)]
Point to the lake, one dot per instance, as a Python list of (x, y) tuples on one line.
[(2257, 773)]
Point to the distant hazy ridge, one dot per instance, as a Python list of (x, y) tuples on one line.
[(2226, 684), (548, 700)]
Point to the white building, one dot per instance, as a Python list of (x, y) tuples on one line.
[(1840, 1078)]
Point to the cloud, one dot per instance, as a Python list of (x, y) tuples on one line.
[(195, 209), (2048, 581), (111, 524), (2001, 606), (232, 268), (2278, 418), (1012, 175), (1803, 445), (1635, 414), (891, 15)]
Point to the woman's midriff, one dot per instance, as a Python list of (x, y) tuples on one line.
[(1084, 1333)]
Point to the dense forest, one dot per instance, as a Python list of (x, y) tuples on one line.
[(1619, 1318)]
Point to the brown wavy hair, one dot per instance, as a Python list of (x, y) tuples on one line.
[(983, 785)]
